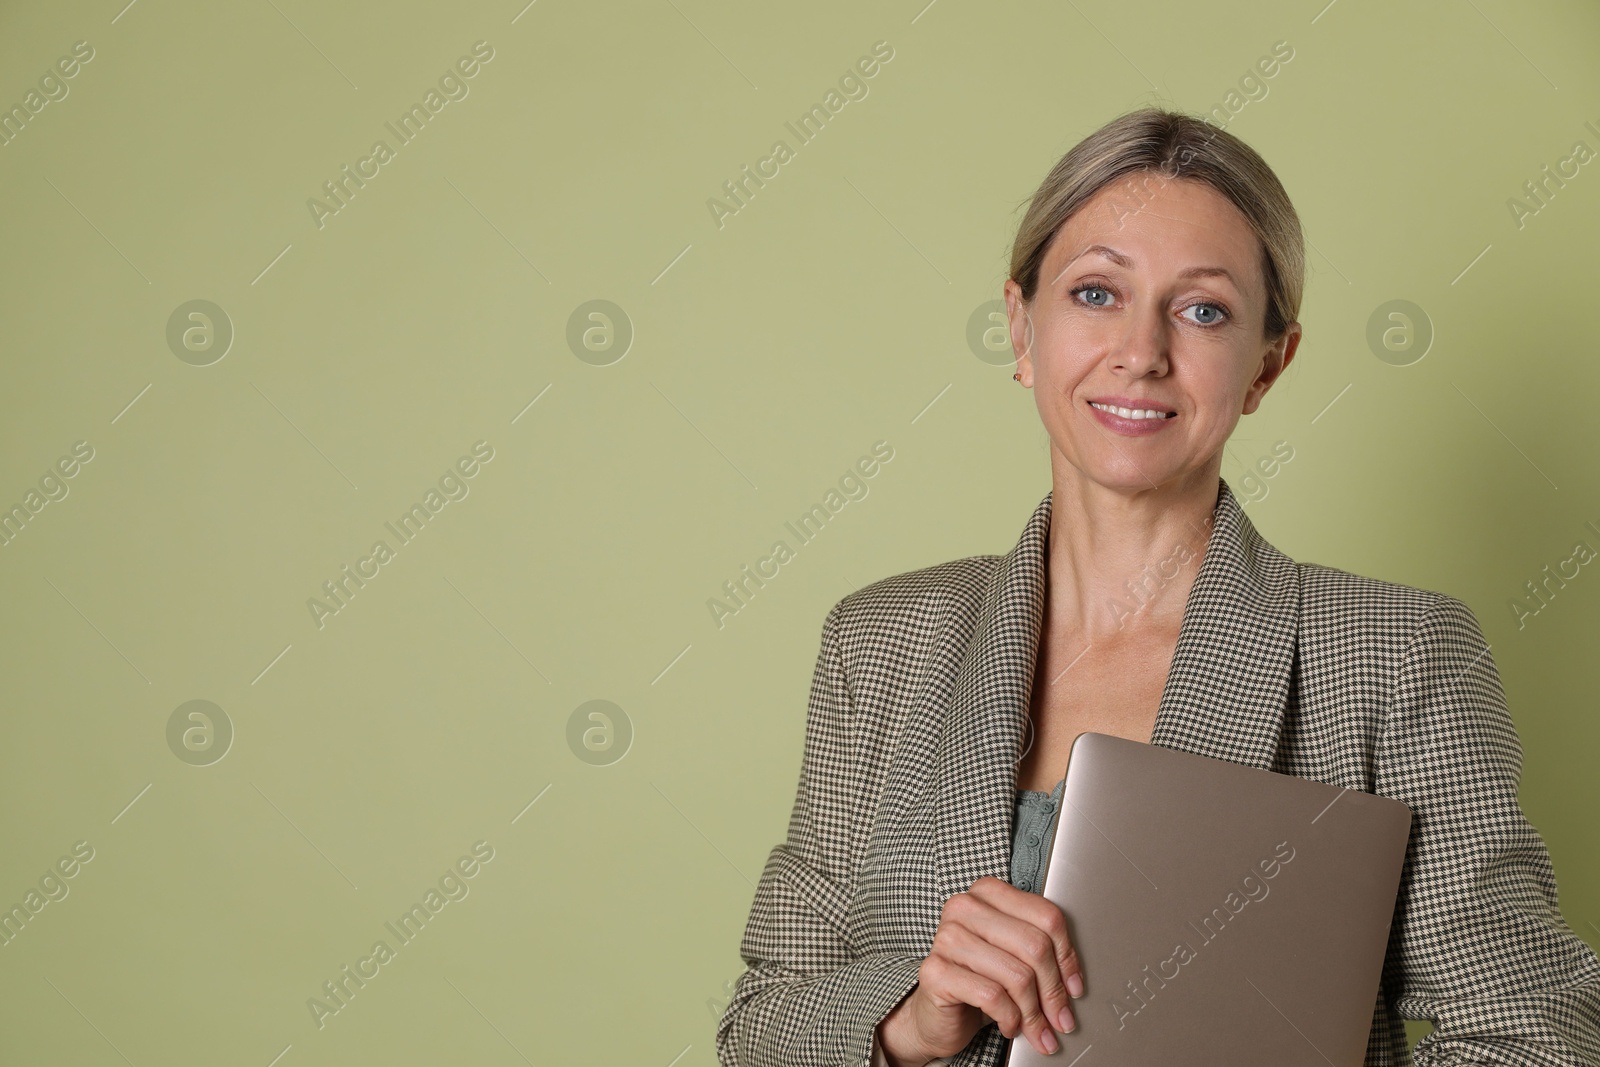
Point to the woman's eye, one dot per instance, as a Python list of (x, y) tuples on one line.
[(1214, 311), (1099, 296)]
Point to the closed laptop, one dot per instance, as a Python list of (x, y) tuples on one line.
[(1222, 914)]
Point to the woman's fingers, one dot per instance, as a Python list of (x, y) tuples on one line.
[(1033, 929), (1036, 910), (1007, 954), (947, 982), (1013, 953)]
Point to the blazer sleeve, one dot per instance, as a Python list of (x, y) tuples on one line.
[(808, 996), (1478, 944)]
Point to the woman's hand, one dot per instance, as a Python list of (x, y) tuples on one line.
[(999, 953)]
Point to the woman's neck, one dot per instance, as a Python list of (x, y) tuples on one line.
[(1124, 561)]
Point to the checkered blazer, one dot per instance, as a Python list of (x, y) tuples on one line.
[(917, 715)]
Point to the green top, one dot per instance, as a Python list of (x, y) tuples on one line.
[(1035, 829)]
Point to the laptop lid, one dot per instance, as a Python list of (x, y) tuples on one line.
[(1222, 914)]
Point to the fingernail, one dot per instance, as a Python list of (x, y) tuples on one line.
[(1065, 1022), (1075, 984), (1048, 1040)]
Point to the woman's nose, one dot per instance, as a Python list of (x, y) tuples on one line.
[(1143, 347)]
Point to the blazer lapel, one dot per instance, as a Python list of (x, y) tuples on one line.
[(1224, 696), (1229, 682), (981, 737)]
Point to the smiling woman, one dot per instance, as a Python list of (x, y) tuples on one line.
[(1192, 292), (891, 926)]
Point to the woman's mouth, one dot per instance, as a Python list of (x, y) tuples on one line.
[(1131, 421)]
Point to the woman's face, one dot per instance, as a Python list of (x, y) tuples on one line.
[(1150, 297)]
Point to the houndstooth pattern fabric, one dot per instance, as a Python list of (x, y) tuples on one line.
[(918, 710)]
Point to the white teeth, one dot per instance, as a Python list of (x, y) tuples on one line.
[(1131, 413)]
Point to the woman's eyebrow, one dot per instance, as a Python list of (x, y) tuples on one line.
[(1122, 260)]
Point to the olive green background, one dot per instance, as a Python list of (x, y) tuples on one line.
[(767, 356)]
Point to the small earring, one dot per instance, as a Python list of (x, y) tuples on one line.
[(1017, 376)]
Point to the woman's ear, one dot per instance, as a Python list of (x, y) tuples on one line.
[(1020, 324), (1273, 363)]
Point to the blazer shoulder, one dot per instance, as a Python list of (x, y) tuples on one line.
[(904, 613), (1335, 588), (1334, 600)]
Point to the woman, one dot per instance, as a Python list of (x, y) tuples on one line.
[(1155, 283)]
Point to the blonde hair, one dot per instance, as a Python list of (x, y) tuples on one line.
[(1175, 146)]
